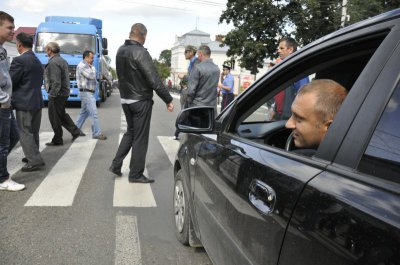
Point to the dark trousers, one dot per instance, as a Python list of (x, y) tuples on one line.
[(59, 118), (9, 137), (29, 126), (136, 138), (226, 99)]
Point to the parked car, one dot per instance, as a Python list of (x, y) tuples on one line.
[(249, 199)]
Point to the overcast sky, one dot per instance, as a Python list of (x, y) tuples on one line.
[(164, 19)]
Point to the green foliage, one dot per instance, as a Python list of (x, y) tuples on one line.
[(258, 24), (165, 57), (163, 70), (313, 19), (361, 9)]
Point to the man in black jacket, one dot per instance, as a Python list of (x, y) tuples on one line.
[(27, 77), (56, 76), (137, 77)]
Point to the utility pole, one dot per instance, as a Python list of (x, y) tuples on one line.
[(344, 13)]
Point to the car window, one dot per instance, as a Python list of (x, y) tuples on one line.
[(382, 156), (261, 115)]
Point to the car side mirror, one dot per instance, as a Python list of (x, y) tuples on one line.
[(196, 120)]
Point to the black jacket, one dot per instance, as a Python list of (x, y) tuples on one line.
[(26, 73), (137, 75)]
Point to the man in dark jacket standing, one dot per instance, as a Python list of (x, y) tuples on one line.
[(56, 76), (137, 77), (27, 77)]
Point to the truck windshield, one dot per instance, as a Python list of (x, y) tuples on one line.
[(69, 43)]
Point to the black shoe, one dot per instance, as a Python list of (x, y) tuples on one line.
[(141, 179), (25, 160), (115, 171), (53, 144), (82, 134), (30, 168)]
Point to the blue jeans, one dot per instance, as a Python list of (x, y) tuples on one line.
[(88, 108), (9, 137)]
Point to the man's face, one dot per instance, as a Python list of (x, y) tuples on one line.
[(143, 39), (283, 50), (200, 56), (188, 54), (225, 71), (48, 51), (6, 31), (89, 59), (308, 128)]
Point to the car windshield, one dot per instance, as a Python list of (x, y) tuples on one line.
[(69, 43)]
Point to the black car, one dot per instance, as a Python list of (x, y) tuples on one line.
[(248, 199)]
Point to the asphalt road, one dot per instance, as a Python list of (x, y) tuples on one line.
[(77, 212)]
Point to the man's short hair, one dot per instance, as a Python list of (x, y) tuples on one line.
[(290, 43), (191, 48), (138, 29), (25, 39), (53, 46), (86, 53), (330, 96), (205, 50), (5, 17)]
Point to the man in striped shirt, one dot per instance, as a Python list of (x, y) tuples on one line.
[(86, 79)]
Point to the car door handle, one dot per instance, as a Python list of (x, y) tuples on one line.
[(262, 196)]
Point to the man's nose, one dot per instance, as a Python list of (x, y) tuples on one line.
[(290, 124)]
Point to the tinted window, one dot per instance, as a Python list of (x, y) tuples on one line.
[(382, 156)]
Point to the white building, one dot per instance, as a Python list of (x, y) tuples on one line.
[(197, 38)]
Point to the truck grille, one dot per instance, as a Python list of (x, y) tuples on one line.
[(72, 72)]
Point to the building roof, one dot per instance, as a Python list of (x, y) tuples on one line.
[(28, 30), (196, 32), (197, 38)]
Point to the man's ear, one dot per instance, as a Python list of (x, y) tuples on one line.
[(327, 124)]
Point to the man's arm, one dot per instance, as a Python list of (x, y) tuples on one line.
[(194, 78), (16, 72), (150, 73), (54, 71), (88, 71)]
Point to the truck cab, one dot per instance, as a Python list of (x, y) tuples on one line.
[(74, 35)]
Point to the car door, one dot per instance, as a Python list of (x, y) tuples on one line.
[(357, 217), (246, 186)]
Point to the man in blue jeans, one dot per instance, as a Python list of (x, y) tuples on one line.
[(9, 135), (86, 79)]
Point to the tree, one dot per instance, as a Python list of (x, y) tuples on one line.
[(165, 57), (359, 10), (312, 19), (257, 23), (162, 69), (260, 23)]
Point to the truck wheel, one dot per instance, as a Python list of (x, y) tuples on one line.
[(103, 92)]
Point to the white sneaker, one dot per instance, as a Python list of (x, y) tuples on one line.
[(11, 185)]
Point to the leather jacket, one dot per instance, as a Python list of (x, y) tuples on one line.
[(137, 75)]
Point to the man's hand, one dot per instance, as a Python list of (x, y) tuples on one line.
[(6, 105), (170, 107)]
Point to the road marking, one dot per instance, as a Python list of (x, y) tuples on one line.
[(127, 244), (131, 194), (14, 163), (60, 185), (170, 146)]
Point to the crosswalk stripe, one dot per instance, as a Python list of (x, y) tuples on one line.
[(127, 244), (60, 185), (170, 147), (14, 163)]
